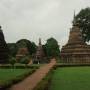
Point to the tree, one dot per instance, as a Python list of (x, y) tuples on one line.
[(12, 49), (52, 48), (44, 49), (83, 18), (26, 43), (33, 48), (12, 61), (25, 60)]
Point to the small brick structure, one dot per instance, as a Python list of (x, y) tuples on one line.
[(22, 52)]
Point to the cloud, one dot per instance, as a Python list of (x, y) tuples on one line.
[(32, 19)]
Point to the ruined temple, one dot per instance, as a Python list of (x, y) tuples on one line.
[(39, 56), (4, 51), (22, 52), (76, 50)]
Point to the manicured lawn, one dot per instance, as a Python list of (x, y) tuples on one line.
[(6, 75), (71, 78)]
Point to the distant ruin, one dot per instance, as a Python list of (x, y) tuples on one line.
[(22, 52), (40, 55)]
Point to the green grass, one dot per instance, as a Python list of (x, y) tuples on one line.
[(71, 78), (44, 83), (9, 75)]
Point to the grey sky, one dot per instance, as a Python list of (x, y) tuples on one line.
[(32, 19)]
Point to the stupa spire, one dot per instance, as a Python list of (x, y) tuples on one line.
[(40, 41), (74, 19), (74, 15)]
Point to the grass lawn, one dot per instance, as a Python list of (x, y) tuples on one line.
[(71, 78), (6, 75)]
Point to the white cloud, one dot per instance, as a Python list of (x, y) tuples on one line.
[(32, 19)]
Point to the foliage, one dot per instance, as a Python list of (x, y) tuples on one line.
[(44, 49), (20, 66), (23, 43), (33, 48), (12, 61), (52, 48), (25, 60), (12, 49), (26, 43), (83, 18)]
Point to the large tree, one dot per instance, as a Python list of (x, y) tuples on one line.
[(33, 48), (12, 49), (52, 48), (26, 43), (83, 18)]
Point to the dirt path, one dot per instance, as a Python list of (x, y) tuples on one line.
[(30, 82)]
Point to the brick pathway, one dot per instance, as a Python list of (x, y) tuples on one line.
[(30, 82)]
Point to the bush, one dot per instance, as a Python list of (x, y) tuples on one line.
[(18, 67), (25, 60), (12, 61)]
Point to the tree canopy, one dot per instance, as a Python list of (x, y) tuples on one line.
[(83, 18), (52, 48), (12, 49), (26, 43)]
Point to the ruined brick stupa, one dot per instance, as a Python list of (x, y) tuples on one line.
[(76, 50), (3, 49), (39, 56)]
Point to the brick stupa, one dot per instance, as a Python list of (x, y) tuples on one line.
[(3, 49), (76, 50), (40, 56)]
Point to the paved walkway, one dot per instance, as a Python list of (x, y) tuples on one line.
[(30, 82)]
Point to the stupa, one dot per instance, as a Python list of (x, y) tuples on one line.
[(40, 56), (3, 49), (76, 50)]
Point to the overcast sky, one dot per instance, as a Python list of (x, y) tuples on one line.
[(31, 19)]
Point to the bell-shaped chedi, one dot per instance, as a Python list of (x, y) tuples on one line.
[(3, 49), (76, 50), (75, 36)]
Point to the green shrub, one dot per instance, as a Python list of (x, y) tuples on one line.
[(12, 61), (19, 67), (25, 60)]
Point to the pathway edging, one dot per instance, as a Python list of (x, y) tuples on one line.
[(31, 81)]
